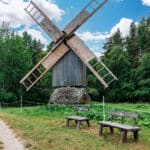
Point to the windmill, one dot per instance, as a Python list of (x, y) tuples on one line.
[(69, 56)]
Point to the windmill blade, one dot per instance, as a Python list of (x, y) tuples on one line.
[(45, 23), (96, 66), (37, 72), (85, 14)]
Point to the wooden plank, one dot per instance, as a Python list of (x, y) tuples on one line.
[(44, 60), (84, 109), (79, 48), (69, 71), (77, 118), (56, 55), (53, 32), (119, 125), (84, 53), (76, 22), (124, 114), (84, 15)]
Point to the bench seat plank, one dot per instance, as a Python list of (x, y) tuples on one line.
[(77, 118), (119, 125)]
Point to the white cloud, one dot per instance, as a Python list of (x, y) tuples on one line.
[(95, 40), (123, 26), (146, 2), (14, 12), (89, 36), (37, 34), (50, 8)]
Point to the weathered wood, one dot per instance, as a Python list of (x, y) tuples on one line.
[(47, 62), (84, 15), (84, 109), (111, 130), (76, 22), (119, 125), (100, 129), (79, 119), (80, 49), (53, 32), (124, 115), (45, 23), (69, 71), (123, 127), (135, 134), (84, 53), (124, 136), (55, 56)]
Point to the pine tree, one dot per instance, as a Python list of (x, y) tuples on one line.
[(132, 45)]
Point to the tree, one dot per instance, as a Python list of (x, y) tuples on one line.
[(144, 35), (132, 45), (143, 75), (13, 63), (117, 60), (115, 39)]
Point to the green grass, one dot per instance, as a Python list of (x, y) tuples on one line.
[(43, 128)]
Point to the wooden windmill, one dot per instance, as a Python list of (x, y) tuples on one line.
[(69, 56)]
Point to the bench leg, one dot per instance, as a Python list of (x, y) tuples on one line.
[(78, 124), (124, 136), (135, 134), (100, 129), (67, 123), (111, 130), (88, 123)]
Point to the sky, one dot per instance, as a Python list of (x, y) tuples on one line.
[(115, 14)]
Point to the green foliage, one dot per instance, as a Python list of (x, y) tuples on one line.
[(45, 128), (17, 56), (128, 58)]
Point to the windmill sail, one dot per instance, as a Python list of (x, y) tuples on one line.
[(84, 15), (45, 23), (37, 72), (95, 65)]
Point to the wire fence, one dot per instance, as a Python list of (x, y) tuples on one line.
[(23, 103)]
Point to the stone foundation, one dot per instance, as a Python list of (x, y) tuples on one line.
[(69, 96)]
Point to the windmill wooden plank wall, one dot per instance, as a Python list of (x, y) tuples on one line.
[(69, 71), (70, 55)]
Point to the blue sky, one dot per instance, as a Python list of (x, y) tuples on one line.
[(115, 14)]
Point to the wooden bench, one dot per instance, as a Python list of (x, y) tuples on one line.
[(78, 119), (124, 128)]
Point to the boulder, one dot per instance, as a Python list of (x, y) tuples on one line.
[(69, 96)]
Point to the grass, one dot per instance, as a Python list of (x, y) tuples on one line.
[(43, 128)]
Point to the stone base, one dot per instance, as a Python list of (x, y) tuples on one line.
[(69, 96)]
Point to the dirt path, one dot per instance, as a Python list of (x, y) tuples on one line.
[(8, 138)]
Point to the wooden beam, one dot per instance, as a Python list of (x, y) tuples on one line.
[(84, 15), (49, 60), (84, 53), (45, 23)]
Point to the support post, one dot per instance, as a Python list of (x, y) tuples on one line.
[(0, 106), (21, 104), (104, 109)]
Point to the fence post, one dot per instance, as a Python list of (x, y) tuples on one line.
[(104, 109), (21, 104), (0, 106)]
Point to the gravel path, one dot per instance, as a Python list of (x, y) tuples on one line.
[(8, 138)]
